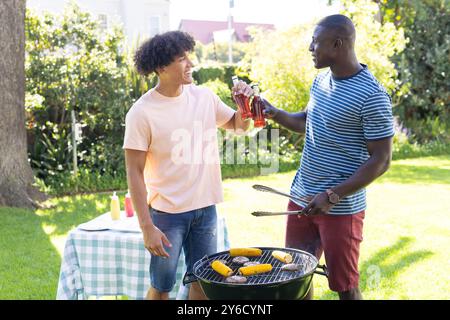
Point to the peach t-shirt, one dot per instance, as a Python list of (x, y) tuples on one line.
[(179, 134)]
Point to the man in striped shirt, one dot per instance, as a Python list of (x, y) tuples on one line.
[(348, 128)]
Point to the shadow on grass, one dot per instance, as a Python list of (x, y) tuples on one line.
[(410, 174), (376, 271)]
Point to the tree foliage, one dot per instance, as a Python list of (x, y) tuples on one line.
[(376, 43), (424, 65), (72, 64), (280, 60)]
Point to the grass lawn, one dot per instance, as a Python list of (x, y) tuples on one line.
[(404, 254)]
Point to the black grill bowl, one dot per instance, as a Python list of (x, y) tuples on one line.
[(276, 285)]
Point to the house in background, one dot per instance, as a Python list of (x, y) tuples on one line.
[(217, 31), (140, 18)]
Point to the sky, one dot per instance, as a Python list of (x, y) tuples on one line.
[(282, 13)]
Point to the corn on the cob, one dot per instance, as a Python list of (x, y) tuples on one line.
[(221, 268), (282, 256), (252, 270), (246, 252)]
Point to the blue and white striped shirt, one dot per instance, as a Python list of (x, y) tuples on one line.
[(342, 115)]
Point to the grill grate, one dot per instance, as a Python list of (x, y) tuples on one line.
[(308, 263)]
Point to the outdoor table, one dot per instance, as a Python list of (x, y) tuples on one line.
[(114, 262)]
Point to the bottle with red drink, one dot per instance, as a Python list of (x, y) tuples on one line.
[(128, 205), (257, 108), (242, 101)]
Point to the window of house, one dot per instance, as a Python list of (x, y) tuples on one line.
[(155, 25), (103, 20)]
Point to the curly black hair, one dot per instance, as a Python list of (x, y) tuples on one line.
[(161, 50)]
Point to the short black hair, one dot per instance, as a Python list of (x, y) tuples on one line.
[(340, 24), (161, 50)]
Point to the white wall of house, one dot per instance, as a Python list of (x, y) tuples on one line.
[(139, 18), (145, 18)]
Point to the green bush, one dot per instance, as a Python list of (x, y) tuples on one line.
[(281, 61), (205, 74), (73, 65), (222, 72), (86, 181), (222, 90), (423, 97), (405, 144)]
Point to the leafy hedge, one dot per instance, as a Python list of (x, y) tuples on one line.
[(72, 65), (220, 72), (423, 98)]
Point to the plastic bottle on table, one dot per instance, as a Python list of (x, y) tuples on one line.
[(115, 207), (128, 205)]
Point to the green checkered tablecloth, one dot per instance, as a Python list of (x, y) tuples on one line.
[(115, 263)]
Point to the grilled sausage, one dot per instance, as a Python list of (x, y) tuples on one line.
[(291, 267), (251, 263), (236, 279), (240, 260)]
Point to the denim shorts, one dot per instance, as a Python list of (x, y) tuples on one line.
[(193, 231)]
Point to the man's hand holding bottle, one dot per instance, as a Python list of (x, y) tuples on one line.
[(269, 110)]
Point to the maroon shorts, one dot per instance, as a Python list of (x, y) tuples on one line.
[(338, 236)]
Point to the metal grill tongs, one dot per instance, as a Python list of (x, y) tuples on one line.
[(271, 190), (280, 213)]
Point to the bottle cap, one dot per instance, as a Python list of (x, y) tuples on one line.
[(114, 196), (255, 88)]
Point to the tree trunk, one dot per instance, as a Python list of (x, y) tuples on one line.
[(16, 176)]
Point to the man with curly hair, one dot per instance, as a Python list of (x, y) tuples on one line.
[(173, 175)]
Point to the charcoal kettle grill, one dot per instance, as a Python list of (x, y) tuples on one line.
[(275, 285)]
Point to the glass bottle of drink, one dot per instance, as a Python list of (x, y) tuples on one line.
[(257, 108), (242, 101)]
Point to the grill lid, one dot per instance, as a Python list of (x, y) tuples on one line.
[(202, 268)]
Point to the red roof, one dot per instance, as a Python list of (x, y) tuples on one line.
[(203, 30)]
